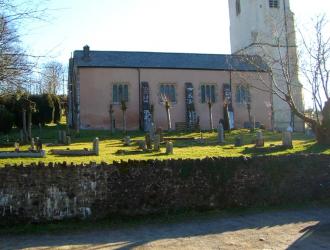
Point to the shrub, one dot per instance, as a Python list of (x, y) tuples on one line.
[(7, 120), (44, 112)]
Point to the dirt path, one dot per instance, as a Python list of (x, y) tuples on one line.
[(301, 229)]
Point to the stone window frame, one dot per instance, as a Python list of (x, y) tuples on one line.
[(174, 84), (216, 91), (242, 94), (274, 4), (112, 92)]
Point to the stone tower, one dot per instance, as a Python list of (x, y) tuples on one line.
[(266, 28)]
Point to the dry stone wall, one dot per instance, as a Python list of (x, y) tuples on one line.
[(37, 193)]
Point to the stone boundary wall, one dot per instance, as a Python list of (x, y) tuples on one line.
[(38, 193)]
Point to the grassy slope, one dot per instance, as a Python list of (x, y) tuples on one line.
[(109, 144)]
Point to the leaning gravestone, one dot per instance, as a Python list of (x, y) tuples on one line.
[(157, 143), (287, 139), (260, 142), (32, 144), (96, 147), (169, 147), (221, 138)]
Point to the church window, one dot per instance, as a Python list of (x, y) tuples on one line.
[(243, 94), (207, 93), (119, 93), (273, 3), (238, 7), (167, 91)]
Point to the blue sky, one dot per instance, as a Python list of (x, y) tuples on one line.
[(141, 25), (198, 26)]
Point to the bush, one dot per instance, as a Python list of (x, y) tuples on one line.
[(7, 120), (44, 112), (13, 103), (57, 108)]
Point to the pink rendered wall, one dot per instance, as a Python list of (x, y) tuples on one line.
[(96, 96)]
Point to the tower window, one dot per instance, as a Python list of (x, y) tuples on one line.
[(238, 7), (273, 4)]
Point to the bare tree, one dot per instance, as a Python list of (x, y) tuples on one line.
[(52, 77), (283, 70), (167, 106), (209, 105), (123, 107)]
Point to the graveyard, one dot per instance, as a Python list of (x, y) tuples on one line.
[(134, 145)]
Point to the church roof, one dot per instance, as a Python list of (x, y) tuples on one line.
[(161, 60)]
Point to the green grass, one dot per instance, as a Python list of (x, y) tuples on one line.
[(110, 144)]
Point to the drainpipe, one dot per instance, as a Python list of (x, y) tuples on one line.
[(139, 79)]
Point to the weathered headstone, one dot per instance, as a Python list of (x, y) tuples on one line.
[(68, 140), (32, 144), (239, 141), (260, 142), (157, 142), (287, 139), (148, 141), (159, 131), (169, 147), (221, 138), (39, 144), (16, 145), (96, 147), (127, 141), (142, 145), (152, 131)]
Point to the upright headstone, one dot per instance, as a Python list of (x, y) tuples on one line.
[(127, 141), (68, 140), (239, 141), (60, 138), (260, 142), (221, 138), (169, 147), (32, 144), (39, 144), (152, 131), (64, 137), (148, 141), (287, 139), (96, 147), (157, 142), (159, 131)]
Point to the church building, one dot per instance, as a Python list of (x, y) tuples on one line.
[(198, 87)]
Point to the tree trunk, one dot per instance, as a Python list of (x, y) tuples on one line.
[(29, 125), (210, 117), (168, 115), (24, 125), (124, 121)]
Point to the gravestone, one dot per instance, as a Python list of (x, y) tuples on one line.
[(287, 139), (152, 131), (239, 141), (96, 145), (16, 146), (64, 137), (260, 142), (221, 138), (157, 142), (32, 144), (169, 147), (60, 139), (127, 141), (159, 131), (142, 145), (68, 140), (39, 144), (148, 141)]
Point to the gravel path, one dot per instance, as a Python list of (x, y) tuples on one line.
[(301, 229)]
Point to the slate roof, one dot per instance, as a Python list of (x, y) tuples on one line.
[(161, 60)]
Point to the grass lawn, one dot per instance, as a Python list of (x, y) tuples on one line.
[(110, 144)]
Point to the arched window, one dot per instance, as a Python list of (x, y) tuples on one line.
[(238, 7), (243, 94)]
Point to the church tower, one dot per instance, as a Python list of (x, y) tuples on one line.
[(266, 28)]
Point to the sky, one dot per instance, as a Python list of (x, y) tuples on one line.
[(196, 26)]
